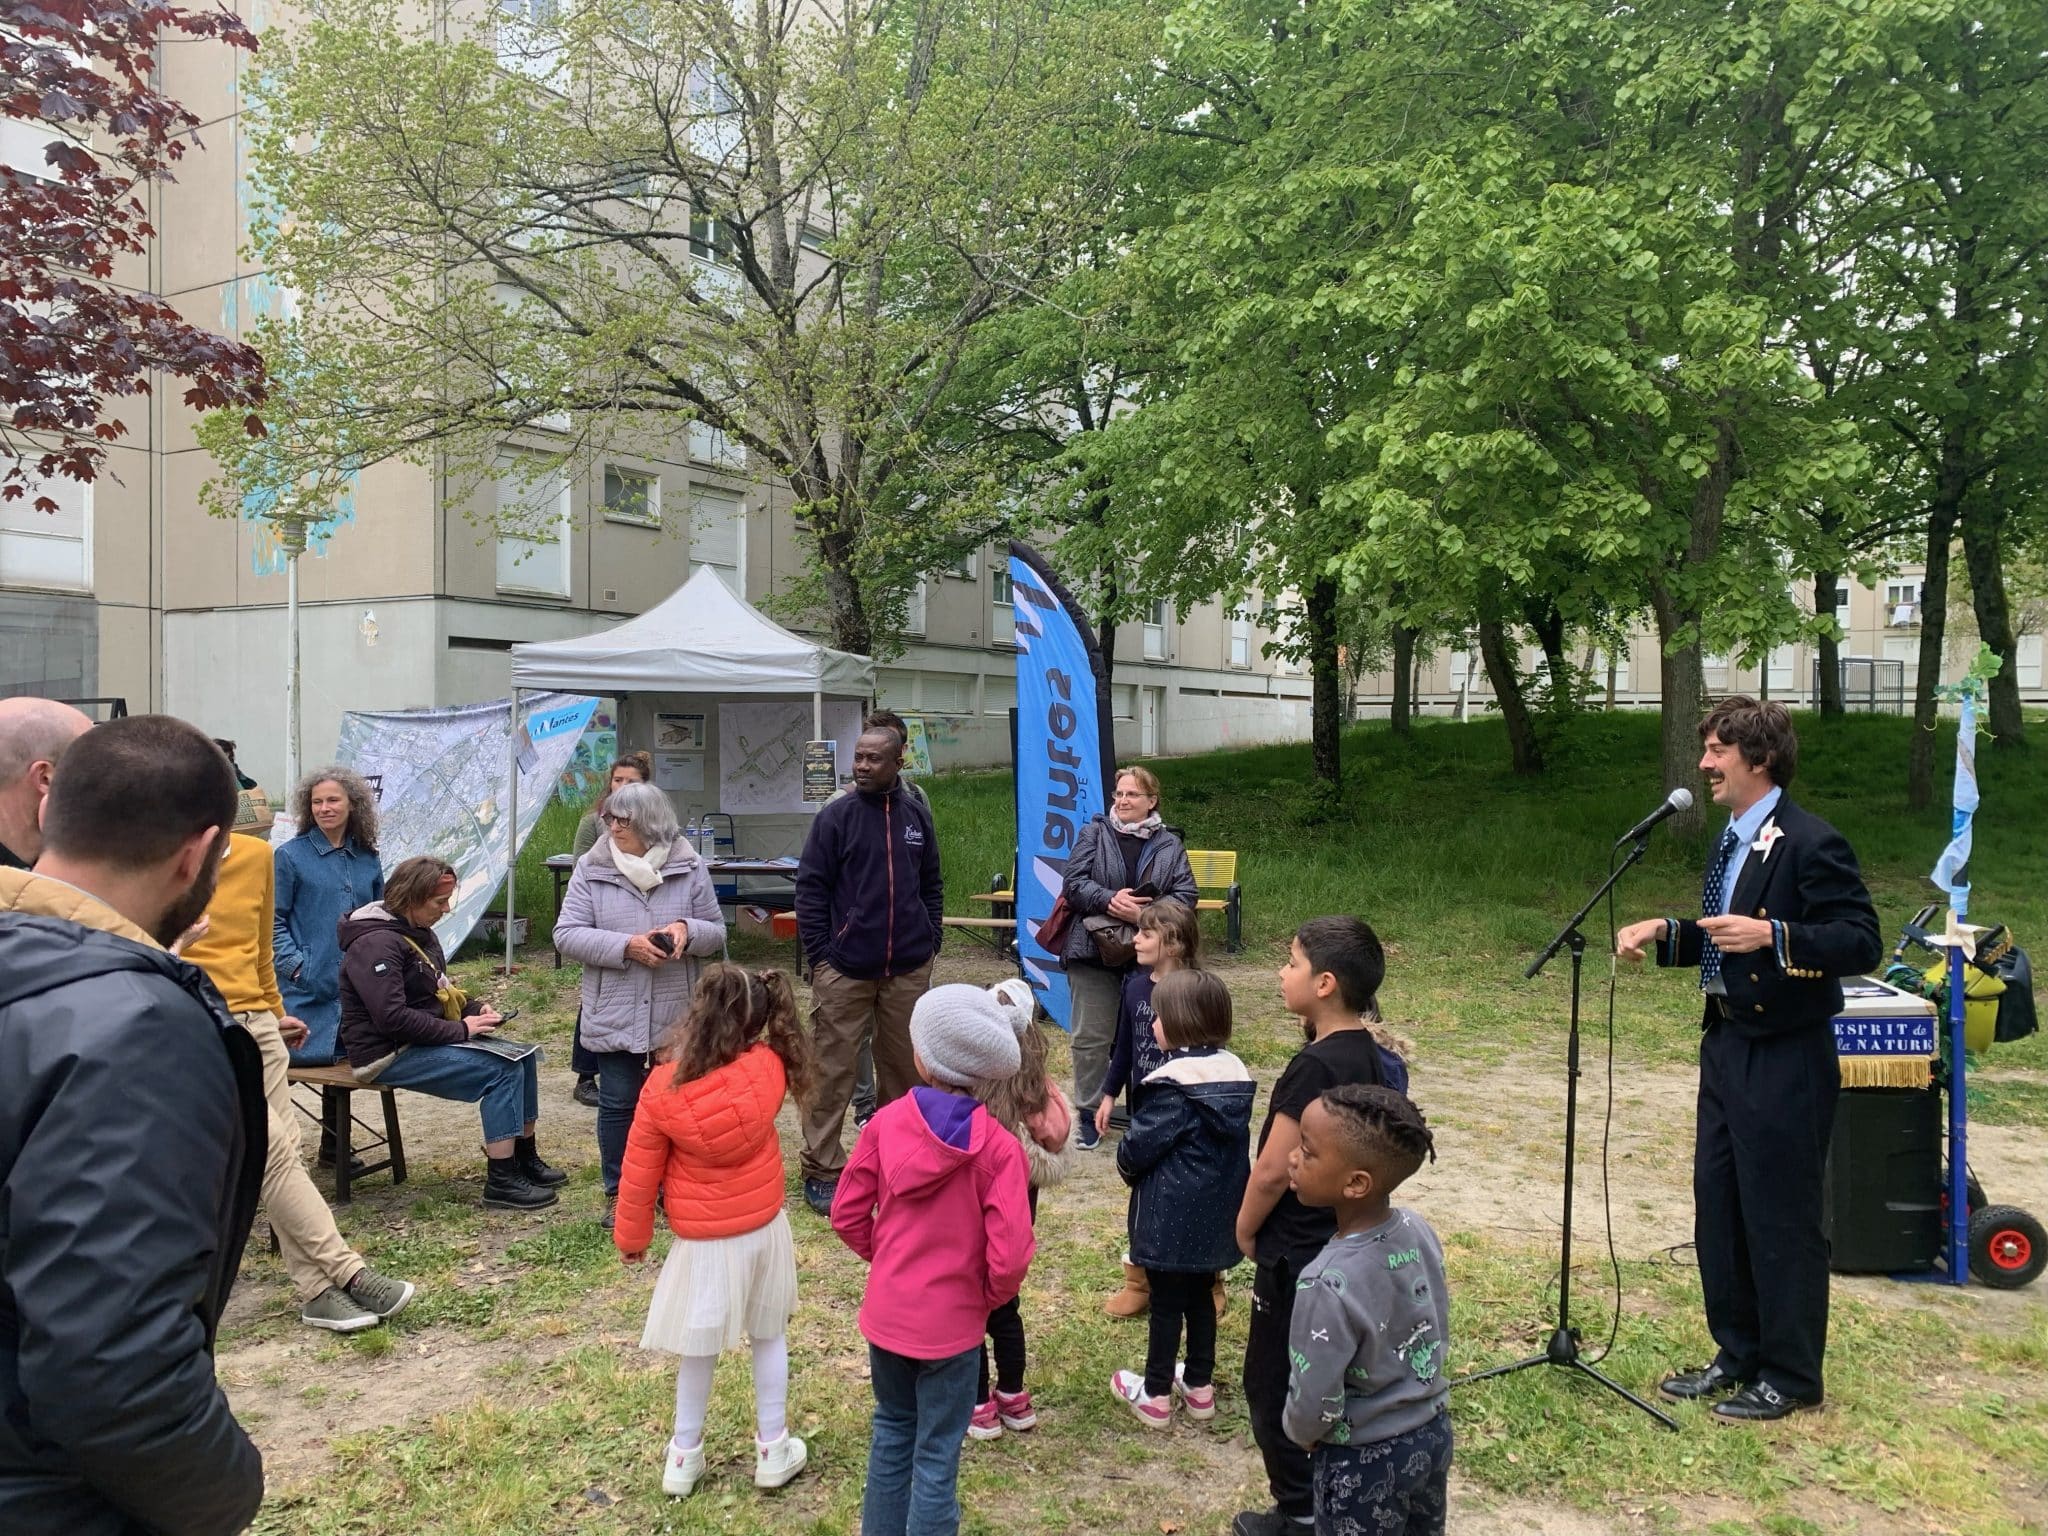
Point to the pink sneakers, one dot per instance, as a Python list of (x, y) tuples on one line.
[(1004, 1410), (1016, 1411), (1200, 1402), (1152, 1412)]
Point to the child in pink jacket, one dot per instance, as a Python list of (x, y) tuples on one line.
[(935, 1198)]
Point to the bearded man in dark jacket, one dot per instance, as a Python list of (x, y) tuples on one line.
[(132, 1139)]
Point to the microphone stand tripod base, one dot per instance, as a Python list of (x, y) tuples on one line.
[(1563, 1349)]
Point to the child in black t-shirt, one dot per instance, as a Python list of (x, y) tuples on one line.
[(1331, 982)]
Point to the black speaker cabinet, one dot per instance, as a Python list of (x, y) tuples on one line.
[(1881, 1194)]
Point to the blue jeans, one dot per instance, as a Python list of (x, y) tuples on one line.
[(620, 1075), (921, 1413), (507, 1091)]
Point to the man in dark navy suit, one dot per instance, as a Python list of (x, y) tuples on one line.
[(1783, 916)]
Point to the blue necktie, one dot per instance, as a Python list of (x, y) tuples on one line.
[(1713, 898)]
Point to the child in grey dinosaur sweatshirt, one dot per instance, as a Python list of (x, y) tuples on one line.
[(1366, 1393)]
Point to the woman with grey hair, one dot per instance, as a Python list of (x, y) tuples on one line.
[(323, 874), (639, 910)]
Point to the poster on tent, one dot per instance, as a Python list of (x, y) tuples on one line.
[(1064, 746), (761, 752), (444, 785)]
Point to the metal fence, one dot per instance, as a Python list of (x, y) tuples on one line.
[(1870, 685)]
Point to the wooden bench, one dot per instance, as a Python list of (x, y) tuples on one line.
[(336, 1084), (1215, 870), (997, 932)]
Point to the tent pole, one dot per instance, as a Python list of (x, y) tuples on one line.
[(511, 824), (817, 714)]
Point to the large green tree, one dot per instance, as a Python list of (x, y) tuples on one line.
[(784, 222)]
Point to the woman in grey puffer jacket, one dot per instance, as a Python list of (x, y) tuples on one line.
[(639, 909), (1113, 856)]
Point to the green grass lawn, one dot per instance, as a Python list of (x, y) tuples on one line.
[(530, 1411)]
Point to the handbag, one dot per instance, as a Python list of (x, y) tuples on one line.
[(1059, 922), (1115, 940)]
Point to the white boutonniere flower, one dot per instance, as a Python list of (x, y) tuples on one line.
[(1767, 839)]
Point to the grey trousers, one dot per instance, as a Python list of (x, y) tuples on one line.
[(1097, 991)]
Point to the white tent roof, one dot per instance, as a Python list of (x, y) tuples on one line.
[(699, 639)]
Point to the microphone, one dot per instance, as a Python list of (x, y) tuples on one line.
[(1678, 800)]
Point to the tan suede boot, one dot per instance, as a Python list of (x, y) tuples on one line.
[(1135, 1299), (1222, 1299)]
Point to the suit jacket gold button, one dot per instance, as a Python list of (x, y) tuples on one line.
[(1752, 976), (1761, 912)]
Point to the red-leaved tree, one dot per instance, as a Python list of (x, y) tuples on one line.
[(80, 71)]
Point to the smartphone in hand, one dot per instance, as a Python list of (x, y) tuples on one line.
[(663, 940)]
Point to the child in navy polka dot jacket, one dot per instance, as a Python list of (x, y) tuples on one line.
[(1186, 1156)]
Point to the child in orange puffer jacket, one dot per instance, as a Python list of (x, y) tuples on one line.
[(704, 1138)]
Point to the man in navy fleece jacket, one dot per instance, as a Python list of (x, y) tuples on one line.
[(869, 903)]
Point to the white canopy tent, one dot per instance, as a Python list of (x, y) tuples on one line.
[(701, 639)]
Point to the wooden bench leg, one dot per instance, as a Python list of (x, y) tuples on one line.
[(395, 1151), (336, 1100)]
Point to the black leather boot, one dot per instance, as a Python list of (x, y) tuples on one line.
[(507, 1189), (531, 1164)]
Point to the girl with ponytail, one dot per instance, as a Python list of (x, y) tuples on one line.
[(704, 1138)]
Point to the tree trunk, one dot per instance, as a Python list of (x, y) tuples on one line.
[(1682, 693), (1827, 587), (1941, 530), (1548, 626), (1981, 520), (1404, 681), (1526, 751), (1325, 726)]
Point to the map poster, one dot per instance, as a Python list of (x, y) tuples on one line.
[(679, 733), (821, 771), (443, 775), (761, 752)]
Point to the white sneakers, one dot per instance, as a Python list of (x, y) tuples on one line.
[(680, 1475), (775, 1463), (778, 1461)]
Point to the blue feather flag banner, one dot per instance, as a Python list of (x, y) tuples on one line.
[(1952, 869), (1065, 756)]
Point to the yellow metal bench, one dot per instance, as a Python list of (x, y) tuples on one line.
[(1214, 870)]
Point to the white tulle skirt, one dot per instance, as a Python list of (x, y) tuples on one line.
[(714, 1293)]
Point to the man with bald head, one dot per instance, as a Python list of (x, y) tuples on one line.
[(33, 736), (869, 904)]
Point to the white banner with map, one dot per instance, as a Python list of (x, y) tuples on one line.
[(761, 752), (440, 777)]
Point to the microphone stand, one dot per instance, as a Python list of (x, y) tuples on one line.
[(1563, 1348)]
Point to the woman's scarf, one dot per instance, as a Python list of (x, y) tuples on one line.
[(1140, 829), (644, 870)]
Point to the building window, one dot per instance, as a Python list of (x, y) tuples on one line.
[(716, 130), (1240, 640), (1157, 618), (718, 524), (533, 527), (913, 611), (21, 148), (1901, 602), (632, 497), (945, 693), (966, 567), (527, 38), (710, 445), (998, 695), (1601, 662), (1002, 624), (48, 549)]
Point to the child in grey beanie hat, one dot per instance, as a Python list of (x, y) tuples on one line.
[(962, 1037)]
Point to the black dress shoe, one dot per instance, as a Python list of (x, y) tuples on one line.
[(585, 1091), (1759, 1403), (1693, 1386)]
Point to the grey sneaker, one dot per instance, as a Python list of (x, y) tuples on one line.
[(333, 1310), (380, 1293)]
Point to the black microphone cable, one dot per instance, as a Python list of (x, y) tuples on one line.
[(1607, 1124)]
